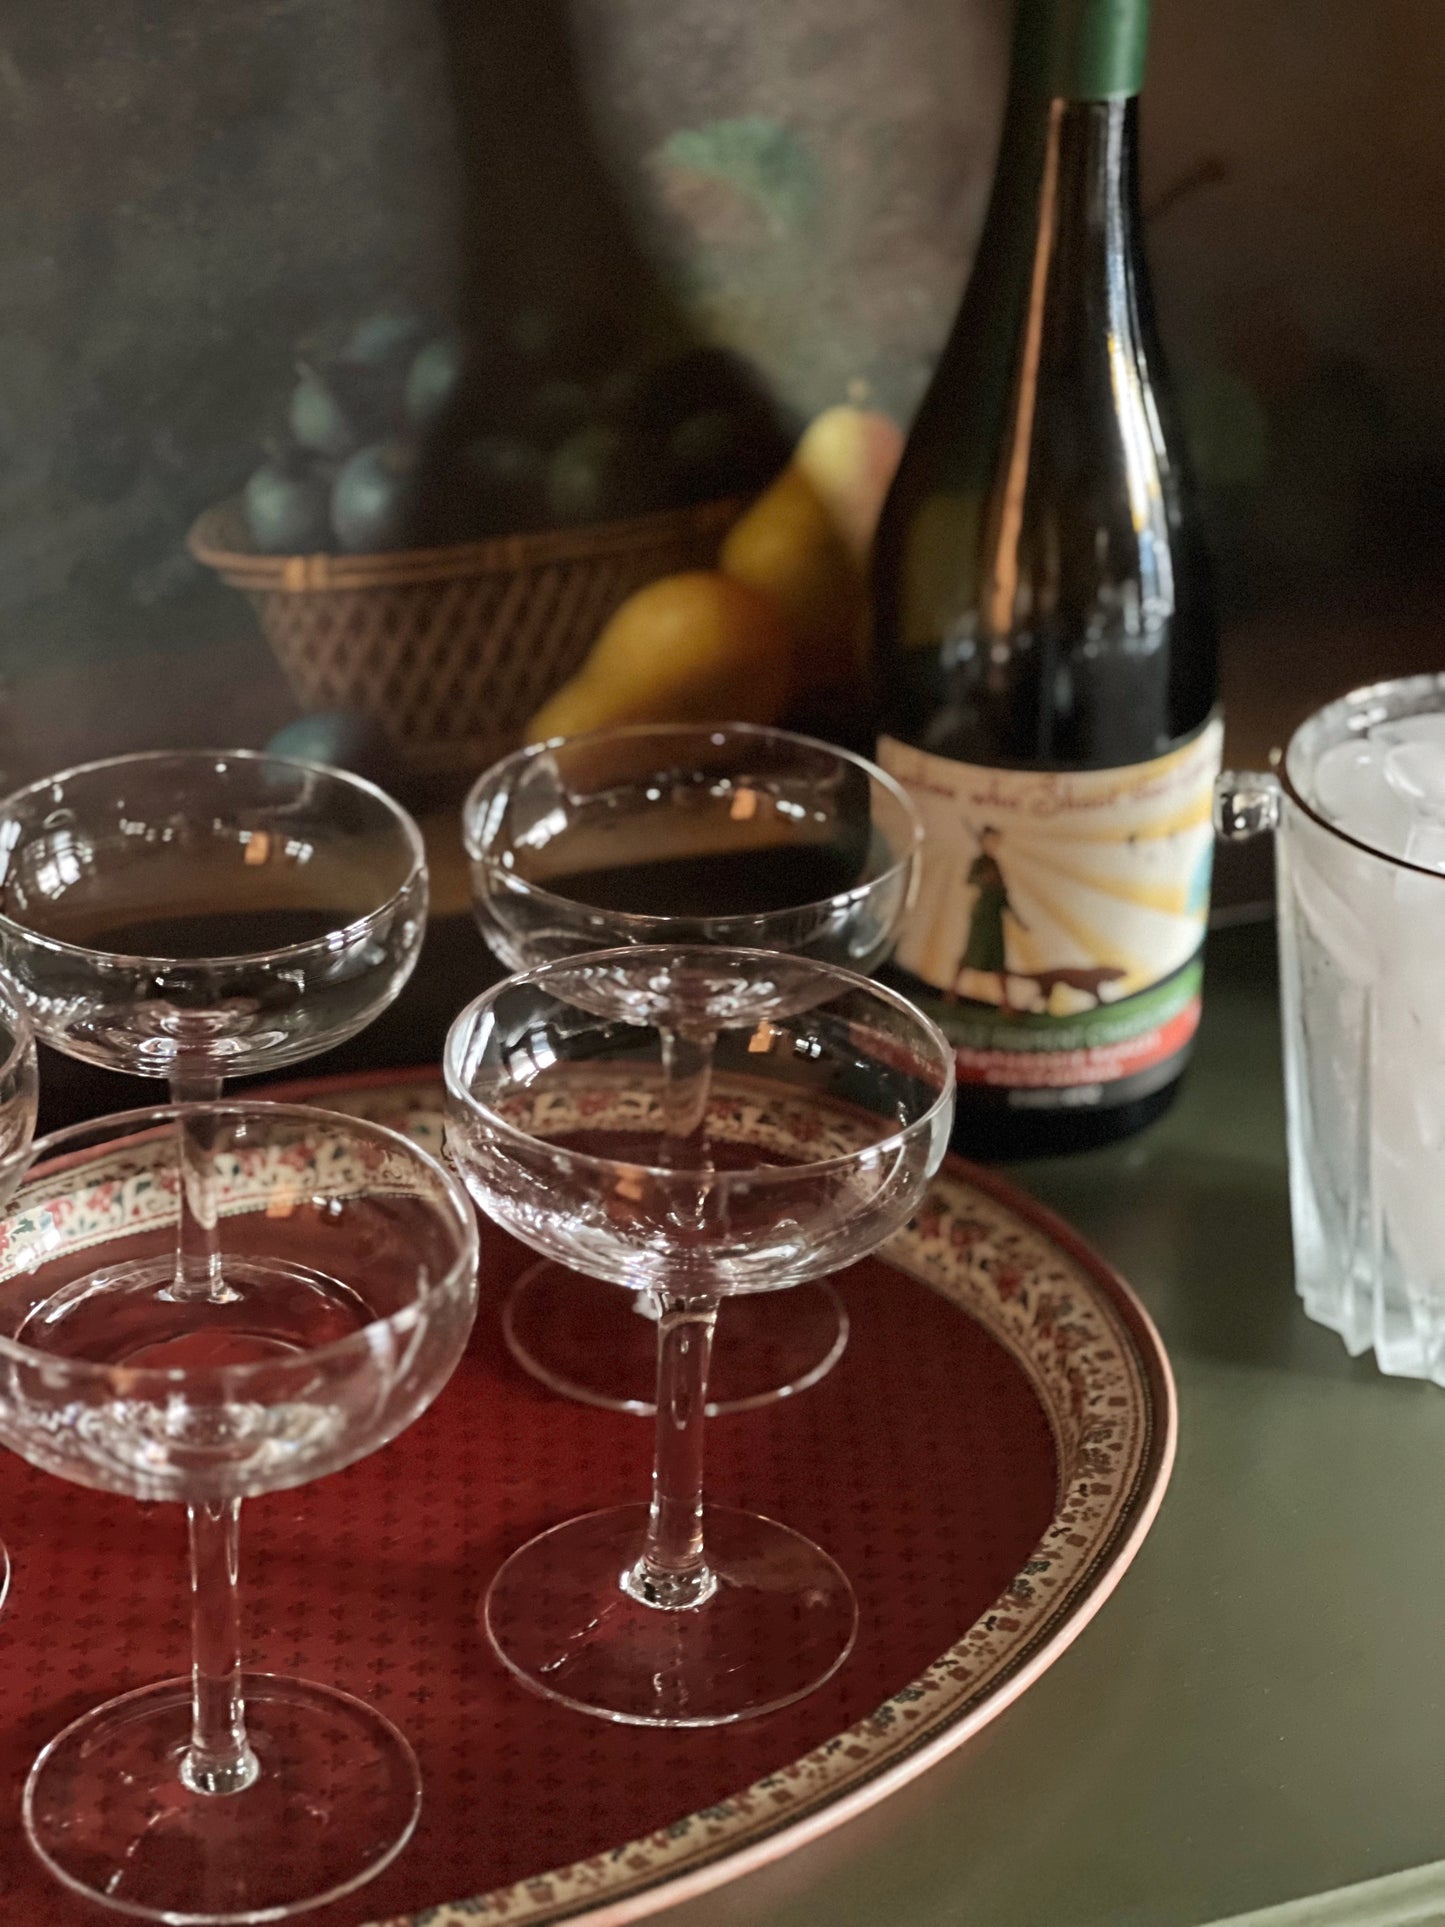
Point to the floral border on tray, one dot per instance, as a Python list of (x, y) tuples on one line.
[(139, 1182), (1071, 1337)]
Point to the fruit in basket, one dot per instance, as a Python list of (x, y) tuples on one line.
[(287, 508), (684, 649), (580, 341), (547, 418), (592, 477), (708, 417), (709, 455), (555, 410), (318, 420), (660, 394), (505, 479), (374, 497), (433, 380), (380, 339)]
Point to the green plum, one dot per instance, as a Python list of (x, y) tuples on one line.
[(374, 498), (557, 409), (594, 476), (505, 481), (340, 738), (382, 338), (286, 506), (317, 418), (433, 380), (709, 455)]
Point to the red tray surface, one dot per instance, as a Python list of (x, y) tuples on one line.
[(924, 1463)]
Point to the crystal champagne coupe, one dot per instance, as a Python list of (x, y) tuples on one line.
[(197, 915), (725, 834), (349, 1261), (826, 1112)]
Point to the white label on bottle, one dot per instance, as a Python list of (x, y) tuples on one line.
[(1060, 913)]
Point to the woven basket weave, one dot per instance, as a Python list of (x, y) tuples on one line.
[(451, 650)]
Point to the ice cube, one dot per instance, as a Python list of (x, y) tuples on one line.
[(1336, 926), (1407, 1099), (1416, 772), (1428, 728), (1410, 933), (1407, 1081), (1350, 785)]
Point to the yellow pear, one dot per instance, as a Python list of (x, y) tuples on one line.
[(850, 456), (696, 647), (789, 547)]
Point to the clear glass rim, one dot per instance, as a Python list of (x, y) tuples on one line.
[(929, 1036), (16, 1019), (59, 1151), (505, 769), (286, 953), (1370, 692)]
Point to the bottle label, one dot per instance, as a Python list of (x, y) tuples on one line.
[(1059, 917)]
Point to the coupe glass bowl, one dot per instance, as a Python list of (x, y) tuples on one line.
[(349, 1263), (203, 914), (717, 833), (827, 1110)]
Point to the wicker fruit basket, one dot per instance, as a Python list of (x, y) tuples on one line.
[(450, 650)]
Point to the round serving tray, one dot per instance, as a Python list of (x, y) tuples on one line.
[(984, 1462)]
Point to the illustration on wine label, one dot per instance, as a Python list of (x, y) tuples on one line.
[(1060, 913)]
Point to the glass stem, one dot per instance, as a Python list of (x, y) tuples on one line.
[(673, 1571), (686, 1086), (219, 1758), (198, 1257)]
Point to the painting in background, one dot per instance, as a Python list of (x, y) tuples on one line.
[(197, 194)]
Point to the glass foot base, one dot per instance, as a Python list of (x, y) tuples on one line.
[(781, 1620), (596, 1344), (337, 1798)]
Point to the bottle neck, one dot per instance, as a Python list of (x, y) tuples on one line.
[(1055, 269), (1065, 183), (1078, 203), (1064, 151), (1078, 334)]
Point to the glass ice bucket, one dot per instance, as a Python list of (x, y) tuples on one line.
[(1357, 804)]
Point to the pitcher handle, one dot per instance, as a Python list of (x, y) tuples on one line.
[(1246, 803)]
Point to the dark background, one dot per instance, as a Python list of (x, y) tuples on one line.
[(191, 187)]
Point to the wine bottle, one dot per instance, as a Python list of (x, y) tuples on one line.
[(1045, 634)]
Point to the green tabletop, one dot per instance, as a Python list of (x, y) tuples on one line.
[(1257, 1717)]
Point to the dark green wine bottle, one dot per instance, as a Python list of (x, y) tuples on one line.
[(1045, 634)]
